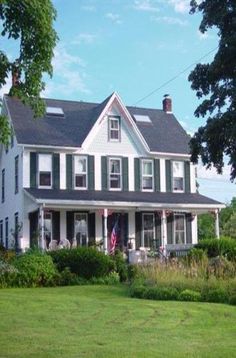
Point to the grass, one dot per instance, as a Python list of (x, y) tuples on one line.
[(102, 321)]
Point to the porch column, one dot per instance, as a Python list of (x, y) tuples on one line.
[(163, 231), (217, 226), (105, 215), (42, 243)]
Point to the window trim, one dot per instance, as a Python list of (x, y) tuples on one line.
[(74, 174), (154, 228), (3, 185), (121, 174), (1, 232), (151, 176), (17, 174), (6, 232), (174, 228), (182, 190), (111, 117), (51, 172), (87, 233)]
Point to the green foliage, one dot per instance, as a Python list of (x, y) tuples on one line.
[(206, 226), (217, 295), (8, 274), (133, 272), (121, 265), (30, 22), (229, 228), (85, 262), (112, 278), (34, 269), (232, 300), (189, 295), (196, 254), (219, 247), (215, 82)]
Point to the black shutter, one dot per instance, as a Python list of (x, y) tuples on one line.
[(126, 228), (104, 173), (56, 170), (91, 228), (188, 228), (56, 225), (187, 176), (70, 225), (137, 174), (168, 176), (91, 172), (170, 220), (158, 230), (125, 174), (138, 229), (68, 171), (157, 174), (33, 170)]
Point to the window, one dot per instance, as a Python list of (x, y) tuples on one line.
[(45, 170), (114, 128), (80, 172), (178, 176), (115, 174), (179, 228), (47, 228), (6, 233), (1, 232), (16, 174), (147, 174), (148, 237), (3, 185), (81, 229)]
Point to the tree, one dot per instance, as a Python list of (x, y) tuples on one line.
[(206, 226), (216, 82), (30, 22)]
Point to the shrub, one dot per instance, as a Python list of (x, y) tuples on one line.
[(34, 269), (133, 272), (232, 300), (67, 278), (196, 254), (8, 274), (216, 295), (189, 295), (154, 293), (216, 247), (85, 262), (121, 265), (138, 291)]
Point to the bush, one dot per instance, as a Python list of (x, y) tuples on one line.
[(219, 247), (112, 278), (232, 300), (133, 272), (8, 274), (154, 293), (196, 254), (189, 295), (121, 265), (34, 269), (85, 262), (216, 295), (67, 278)]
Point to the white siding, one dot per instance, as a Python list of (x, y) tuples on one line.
[(194, 231), (193, 178)]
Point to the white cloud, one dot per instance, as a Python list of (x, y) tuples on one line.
[(85, 38), (88, 8), (211, 173), (181, 6), (115, 18), (145, 5), (170, 20), (6, 88)]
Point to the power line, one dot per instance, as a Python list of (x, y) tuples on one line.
[(174, 78)]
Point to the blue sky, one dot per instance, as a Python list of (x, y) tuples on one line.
[(132, 47)]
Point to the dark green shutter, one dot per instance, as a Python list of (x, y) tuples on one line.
[(188, 228), (91, 172), (126, 228), (157, 230), (187, 176), (157, 174), (170, 220), (138, 229), (68, 171), (56, 225), (125, 174), (91, 229), (70, 225), (137, 174), (104, 172), (168, 176), (56, 170), (33, 170)]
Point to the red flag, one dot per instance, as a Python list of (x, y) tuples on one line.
[(114, 237)]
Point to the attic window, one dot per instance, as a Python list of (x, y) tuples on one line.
[(55, 111), (142, 118)]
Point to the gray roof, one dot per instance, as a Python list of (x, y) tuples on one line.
[(122, 196), (164, 134)]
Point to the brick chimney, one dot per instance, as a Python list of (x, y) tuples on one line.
[(167, 104)]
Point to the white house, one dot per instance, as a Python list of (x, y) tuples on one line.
[(85, 167)]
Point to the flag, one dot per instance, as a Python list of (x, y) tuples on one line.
[(114, 236)]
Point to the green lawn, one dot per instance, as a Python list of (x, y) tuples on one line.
[(95, 321)]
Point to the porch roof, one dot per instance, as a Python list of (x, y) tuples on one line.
[(97, 198)]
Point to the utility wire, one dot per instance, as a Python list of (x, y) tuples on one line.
[(174, 78)]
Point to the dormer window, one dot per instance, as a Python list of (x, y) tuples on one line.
[(178, 176), (114, 128), (45, 171)]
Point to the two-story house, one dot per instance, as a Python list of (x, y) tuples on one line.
[(86, 167)]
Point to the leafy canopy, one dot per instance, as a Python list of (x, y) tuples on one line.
[(216, 83), (31, 23)]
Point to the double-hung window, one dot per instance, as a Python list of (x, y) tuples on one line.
[(80, 172), (147, 174), (179, 229), (16, 174), (115, 173), (114, 128), (3, 186), (45, 170), (178, 176), (148, 234)]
